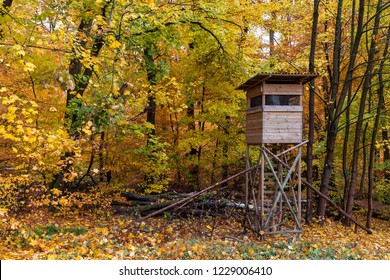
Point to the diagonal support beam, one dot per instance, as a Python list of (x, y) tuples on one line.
[(281, 188), (369, 231)]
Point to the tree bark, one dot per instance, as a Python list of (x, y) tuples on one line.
[(364, 166), (309, 163), (331, 122), (151, 71), (348, 119), (337, 104), (379, 107), (359, 124), (194, 168)]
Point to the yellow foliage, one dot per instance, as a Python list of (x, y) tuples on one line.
[(36, 151), (29, 67)]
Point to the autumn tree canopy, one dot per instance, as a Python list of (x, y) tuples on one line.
[(141, 93)]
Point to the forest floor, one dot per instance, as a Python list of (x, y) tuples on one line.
[(99, 234)]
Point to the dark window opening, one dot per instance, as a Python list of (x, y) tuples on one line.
[(282, 100), (255, 101)]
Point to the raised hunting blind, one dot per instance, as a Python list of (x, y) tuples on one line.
[(274, 123), (274, 108)]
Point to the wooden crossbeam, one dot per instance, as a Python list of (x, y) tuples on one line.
[(281, 188), (325, 197)]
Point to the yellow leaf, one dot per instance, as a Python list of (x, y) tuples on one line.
[(56, 191), (52, 257), (33, 242), (115, 45), (19, 50), (34, 104), (29, 67), (105, 231), (19, 128), (3, 212), (87, 131)]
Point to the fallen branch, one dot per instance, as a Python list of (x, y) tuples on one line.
[(195, 195), (136, 197)]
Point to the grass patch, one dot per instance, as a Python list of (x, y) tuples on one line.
[(49, 230), (76, 230)]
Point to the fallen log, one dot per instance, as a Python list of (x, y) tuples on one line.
[(195, 195), (137, 197), (202, 205), (153, 198)]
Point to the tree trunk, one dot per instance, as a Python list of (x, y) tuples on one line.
[(359, 124), (348, 119), (193, 154), (331, 122), (364, 166), (225, 151), (101, 156), (151, 71), (345, 148), (386, 153), (81, 77), (380, 107), (309, 163), (337, 104)]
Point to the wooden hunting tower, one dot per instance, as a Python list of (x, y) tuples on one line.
[(274, 122), (274, 108)]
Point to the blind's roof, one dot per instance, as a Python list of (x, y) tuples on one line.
[(277, 78)]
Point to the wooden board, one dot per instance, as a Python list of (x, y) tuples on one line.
[(252, 92), (275, 108), (254, 124), (273, 127), (281, 89)]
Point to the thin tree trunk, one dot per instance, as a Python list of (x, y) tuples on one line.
[(151, 71), (375, 131), (309, 163), (194, 168), (101, 156), (337, 104), (331, 122), (225, 156), (364, 166), (345, 148), (359, 124), (347, 119), (386, 153), (214, 165)]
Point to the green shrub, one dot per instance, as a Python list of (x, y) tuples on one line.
[(382, 192)]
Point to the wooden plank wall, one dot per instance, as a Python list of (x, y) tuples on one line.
[(254, 124), (282, 127), (274, 124), (282, 89)]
